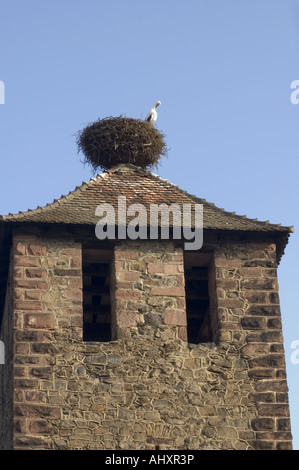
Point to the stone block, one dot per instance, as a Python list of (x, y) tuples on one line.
[(175, 317), (37, 249), (38, 411), (38, 320)]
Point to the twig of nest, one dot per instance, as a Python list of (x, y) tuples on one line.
[(111, 141)]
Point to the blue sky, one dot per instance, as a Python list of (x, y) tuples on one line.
[(222, 70)]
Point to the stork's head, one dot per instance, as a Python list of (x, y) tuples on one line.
[(157, 104)]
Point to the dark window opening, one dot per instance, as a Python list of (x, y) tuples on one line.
[(197, 298), (96, 295)]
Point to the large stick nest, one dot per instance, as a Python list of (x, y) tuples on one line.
[(111, 141)]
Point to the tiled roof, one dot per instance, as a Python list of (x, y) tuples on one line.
[(140, 187)]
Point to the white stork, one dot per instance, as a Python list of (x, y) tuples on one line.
[(152, 115)]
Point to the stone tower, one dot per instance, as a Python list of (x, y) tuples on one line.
[(126, 343)]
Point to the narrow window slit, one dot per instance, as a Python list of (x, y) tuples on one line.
[(96, 295), (197, 298)]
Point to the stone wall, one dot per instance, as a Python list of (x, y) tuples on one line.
[(148, 388), (250, 321), (6, 370)]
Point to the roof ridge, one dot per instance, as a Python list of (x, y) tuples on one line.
[(230, 213), (129, 168)]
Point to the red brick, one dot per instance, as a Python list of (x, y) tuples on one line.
[(72, 311), (27, 305), (250, 272), (169, 291), (76, 262), (264, 310), (127, 294), (119, 265), (260, 284), (271, 360), (38, 320), (231, 303), (262, 397), (161, 268), (274, 324), (75, 282), (284, 446), (18, 320), (67, 272), (20, 248), (283, 424), (32, 284), (31, 442), (269, 272), (260, 255), (77, 321), (255, 349), (230, 325), (120, 304), (41, 372), (262, 246), (271, 386), (128, 276), (22, 348), (183, 333), (126, 255), (72, 252), (256, 297), (39, 411), (35, 273), (228, 263), (26, 261), (274, 410), (129, 285), (282, 398), (180, 280), (181, 302), (40, 427), (33, 295), (273, 436), (37, 249), (231, 284), (34, 336), (73, 294), (175, 317), (26, 383), (35, 396), (126, 319), (20, 372), (263, 424), (263, 445), (18, 272), (19, 294), (253, 323), (261, 374), (177, 258)]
